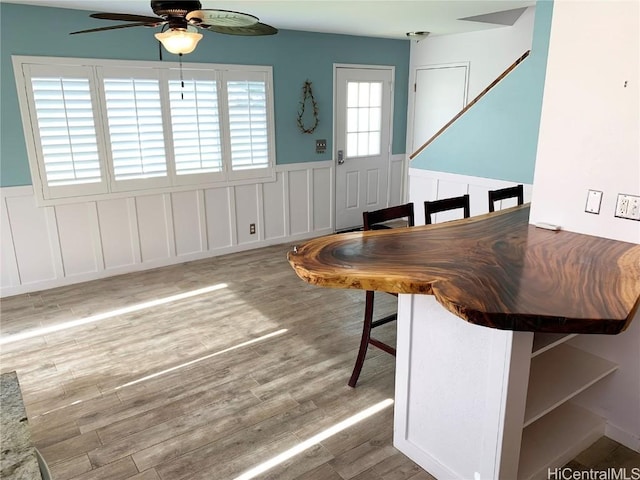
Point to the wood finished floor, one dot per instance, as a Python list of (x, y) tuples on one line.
[(211, 385)]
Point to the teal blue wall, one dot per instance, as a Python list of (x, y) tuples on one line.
[(498, 136), (295, 57)]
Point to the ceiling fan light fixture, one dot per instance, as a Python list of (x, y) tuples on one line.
[(179, 40)]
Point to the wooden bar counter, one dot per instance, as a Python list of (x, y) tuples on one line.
[(527, 394), (494, 270)]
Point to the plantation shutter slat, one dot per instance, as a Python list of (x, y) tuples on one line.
[(103, 128), (136, 132), (66, 128), (195, 124), (247, 101)]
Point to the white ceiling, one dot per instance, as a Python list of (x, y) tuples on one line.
[(373, 18)]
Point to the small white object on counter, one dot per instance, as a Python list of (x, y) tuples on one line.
[(548, 226)]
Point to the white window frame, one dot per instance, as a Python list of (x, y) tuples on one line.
[(133, 184), (34, 146), (251, 76), (211, 75), (96, 70)]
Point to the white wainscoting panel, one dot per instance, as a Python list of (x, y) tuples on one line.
[(46, 247), (246, 199), (220, 217), (431, 185), (79, 238), (322, 209), (187, 224), (9, 274), (397, 177), (298, 182), (153, 227), (115, 233), (30, 237), (273, 205)]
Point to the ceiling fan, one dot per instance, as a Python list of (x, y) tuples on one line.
[(181, 21)]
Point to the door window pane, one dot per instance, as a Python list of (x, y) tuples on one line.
[(352, 94), (375, 94), (364, 118)]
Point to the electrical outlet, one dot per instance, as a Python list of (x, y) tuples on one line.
[(628, 206), (633, 210), (252, 228)]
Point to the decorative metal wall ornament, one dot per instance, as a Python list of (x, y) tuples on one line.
[(307, 94)]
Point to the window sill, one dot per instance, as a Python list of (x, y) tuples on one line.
[(49, 202)]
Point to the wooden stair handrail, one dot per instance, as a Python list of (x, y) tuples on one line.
[(470, 104)]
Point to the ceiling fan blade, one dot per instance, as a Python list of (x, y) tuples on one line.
[(125, 17), (221, 18), (114, 27), (252, 30)]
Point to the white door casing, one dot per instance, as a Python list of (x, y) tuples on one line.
[(363, 113)]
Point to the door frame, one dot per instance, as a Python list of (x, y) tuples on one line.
[(356, 66), (411, 108)]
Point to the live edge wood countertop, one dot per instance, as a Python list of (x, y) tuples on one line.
[(494, 270)]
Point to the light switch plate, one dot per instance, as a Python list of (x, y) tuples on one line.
[(594, 199), (321, 145)]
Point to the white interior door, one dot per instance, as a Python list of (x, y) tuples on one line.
[(362, 142), (440, 94)]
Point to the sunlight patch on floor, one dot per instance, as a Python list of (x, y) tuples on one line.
[(302, 446), (110, 314), (200, 359), (177, 367)]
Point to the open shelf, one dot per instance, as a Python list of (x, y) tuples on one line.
[(560, 374), (556, 438), (546, 341)]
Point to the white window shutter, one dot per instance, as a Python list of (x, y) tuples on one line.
[(248, 124), (195, 123), (101, 127), (67, 130), (136, 134)]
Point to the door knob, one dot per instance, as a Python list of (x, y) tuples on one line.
[(340, 157)]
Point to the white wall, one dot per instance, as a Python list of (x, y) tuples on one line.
[(45, 247), (589, 131), (489, 53), (590, 139)]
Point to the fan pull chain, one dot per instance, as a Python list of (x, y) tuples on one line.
[(181, 78)]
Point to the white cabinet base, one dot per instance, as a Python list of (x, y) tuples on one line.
[(460, 392), (475, 402)]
